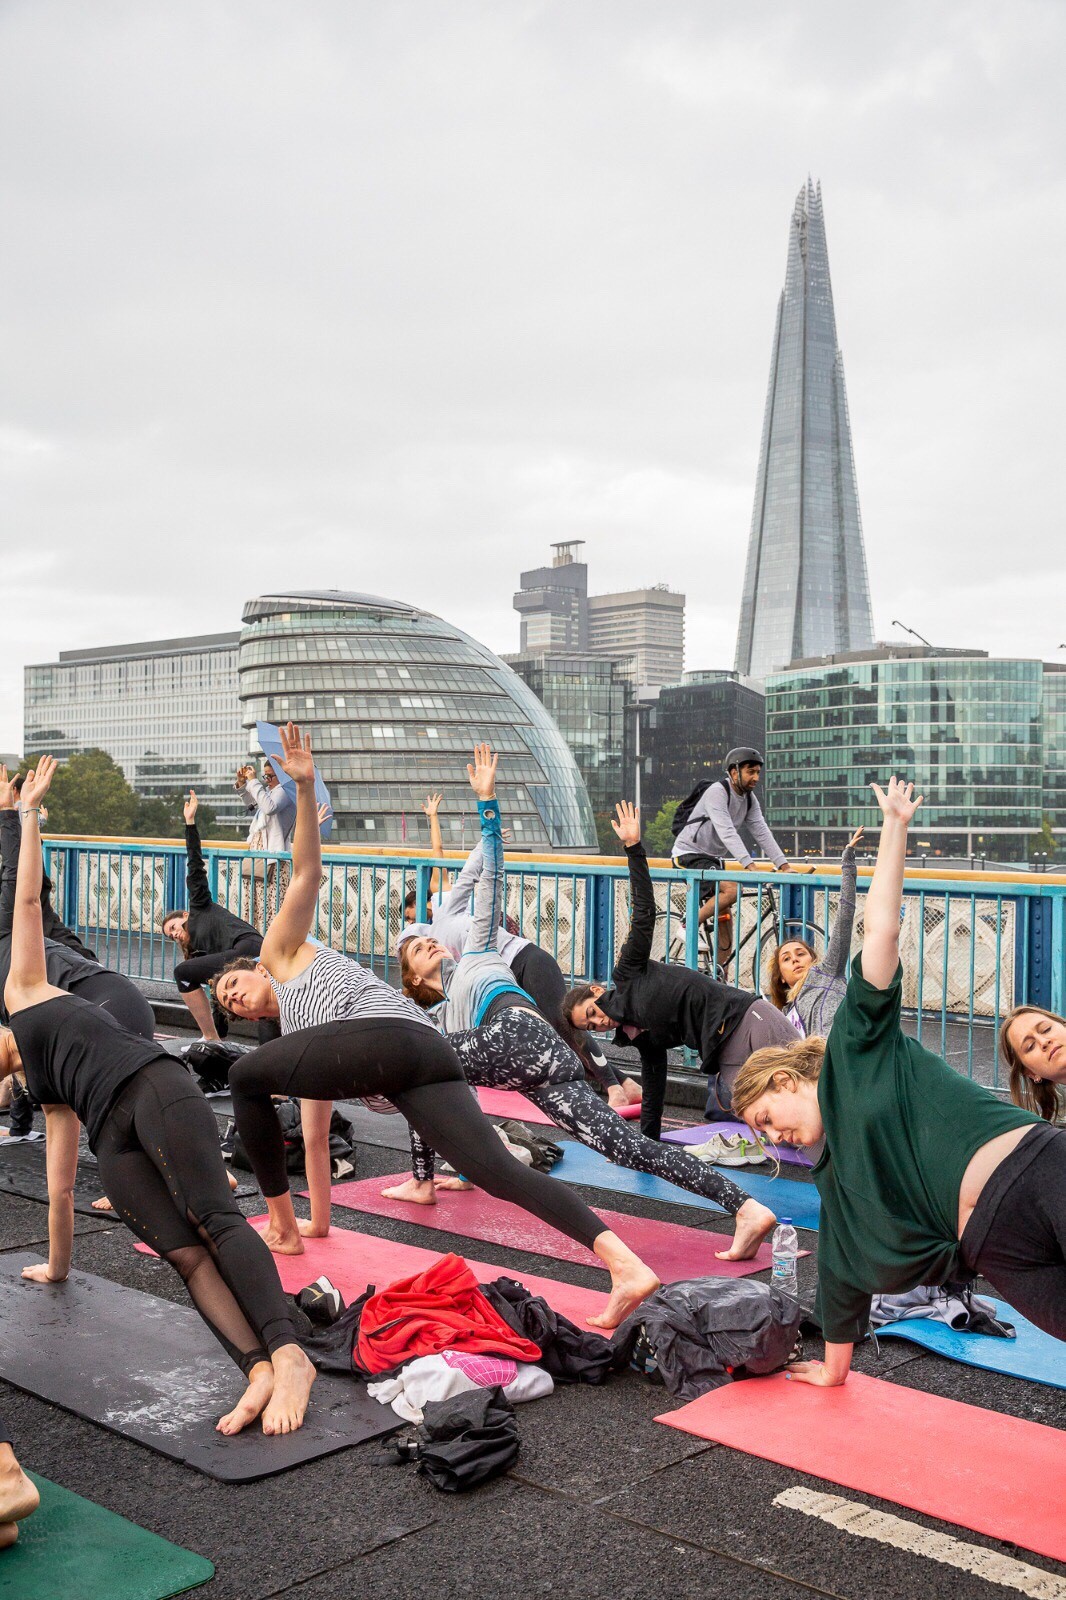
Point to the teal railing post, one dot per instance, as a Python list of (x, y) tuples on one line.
[(1058, 951), (423, 874)]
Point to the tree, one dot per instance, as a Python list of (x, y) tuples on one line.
[(1044, 842), (658, 839), (90, 795), (605, 834)]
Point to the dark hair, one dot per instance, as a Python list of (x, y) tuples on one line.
[(410, 899), (175, 911), (16, 783), (415, 987), (1042, 1097), (777, 988), (577, 997), (238, 964)]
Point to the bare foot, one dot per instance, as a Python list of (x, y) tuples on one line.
[(283, 1244), (232, 1180), (103, 1204), (453, 1183), (252, 1401), (634, 1094), (8, 1534), (629, 1287), (418, 1191), (293, 1377), (617, 1097), (308, 1229), (754, 1222), (18, 1495)]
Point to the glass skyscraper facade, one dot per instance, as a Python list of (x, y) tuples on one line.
[(165, 711), (1054, 801), (967, 729), (395, 699), (805, 586), (587, 698), (690, 730)]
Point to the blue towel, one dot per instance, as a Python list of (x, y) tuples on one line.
[(788, 1199), (1032, 1354)]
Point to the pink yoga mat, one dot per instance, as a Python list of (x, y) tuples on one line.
[(978, 1469), (509, 1103), (705, 1131), (353, 1261), (671, 1250)]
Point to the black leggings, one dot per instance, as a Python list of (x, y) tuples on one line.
[(1016, 1237), (541, 976), (160, 1167), (120, 998), (411, 1065), (519, 1050)]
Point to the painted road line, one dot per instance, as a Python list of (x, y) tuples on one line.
[(854, 1517)]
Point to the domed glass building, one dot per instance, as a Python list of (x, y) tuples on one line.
[(394, 699)]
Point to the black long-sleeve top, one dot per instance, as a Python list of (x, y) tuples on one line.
[(212, 928), (672, 1005)]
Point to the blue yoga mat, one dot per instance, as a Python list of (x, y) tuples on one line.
[(1033, 1354), (582, 1165)]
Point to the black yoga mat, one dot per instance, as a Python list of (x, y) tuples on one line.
[(23, 1171), (150, 1370)]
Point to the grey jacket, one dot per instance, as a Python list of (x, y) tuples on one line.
[(826, 983)]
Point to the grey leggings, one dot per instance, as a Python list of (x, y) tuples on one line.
[(519, 1050), (762, 1024)]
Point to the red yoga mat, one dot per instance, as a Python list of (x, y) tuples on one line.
[(353, 1261), (671, 1250), (978, 1469), (509, 1103)]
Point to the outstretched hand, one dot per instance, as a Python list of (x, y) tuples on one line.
[(482, 771), (324, 813), (38, 781), (431, 804), (296, 758), (7, 791), (627, 826), (190, 809), (896, 799), (853, 841)]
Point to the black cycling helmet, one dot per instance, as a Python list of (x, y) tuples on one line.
[(744, 756)]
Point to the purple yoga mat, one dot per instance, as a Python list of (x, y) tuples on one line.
[(670, 1249), (701, 1134)]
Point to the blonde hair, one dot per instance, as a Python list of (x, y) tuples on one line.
[(778, 992), (802, 1062), (1045, 1098)]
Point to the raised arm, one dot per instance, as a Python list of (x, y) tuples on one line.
[(295, 918), (10, 842), (884, 898), (200, 896), (430, 807), (839, 948), (488, 896), (467, 879), (28, 970), (635, 953)]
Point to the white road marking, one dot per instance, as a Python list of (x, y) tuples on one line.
[(853, 1517)]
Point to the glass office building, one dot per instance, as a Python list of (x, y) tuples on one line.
[(587, 698), (165, 711), (690, 729), (805, 586), (967, 729), (1054, 801), (394, 699)]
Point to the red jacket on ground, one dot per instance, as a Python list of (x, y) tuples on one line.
[(439, 1309)]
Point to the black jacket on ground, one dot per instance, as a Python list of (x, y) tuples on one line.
[(212, 929), (66, 958), (673, 1005)]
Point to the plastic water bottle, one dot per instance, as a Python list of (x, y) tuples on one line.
[(784, 1247)]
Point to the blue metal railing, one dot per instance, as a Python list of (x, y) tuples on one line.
[(973, 945)]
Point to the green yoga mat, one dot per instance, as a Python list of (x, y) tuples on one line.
[(72, 1547)]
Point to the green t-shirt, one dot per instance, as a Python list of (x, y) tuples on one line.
[(900, 1129)]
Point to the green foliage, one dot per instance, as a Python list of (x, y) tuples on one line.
[(90, 795), (658, 840), (605, 834), (1044, 841)]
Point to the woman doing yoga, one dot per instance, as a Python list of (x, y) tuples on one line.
[(925, 1175), (155, 1139), (807, 990), (1032, 1041), (355, 1037), (504, 1043)]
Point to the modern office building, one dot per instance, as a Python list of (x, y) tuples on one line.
[(588, 698), (968, 729), (395, 698), (645, 627), (689, 730), (553, 604), (1054, 800), (166, 711), (805, 586)]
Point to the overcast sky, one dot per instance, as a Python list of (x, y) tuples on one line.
[(390, 296)]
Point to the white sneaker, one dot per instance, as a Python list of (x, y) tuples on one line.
[(678, 941), (723, 1150)]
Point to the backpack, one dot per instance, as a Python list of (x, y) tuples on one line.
[(691, 801), (341, 1141)]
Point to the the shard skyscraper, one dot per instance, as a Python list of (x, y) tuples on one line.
[(805, 586)]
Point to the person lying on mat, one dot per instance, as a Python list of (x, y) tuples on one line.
[(807, 990), (345, 1034), (656, 1008), (156, 1143), (536, 973), (208, 935), (504, 1042), (925, 1175), (1032, 1042)]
